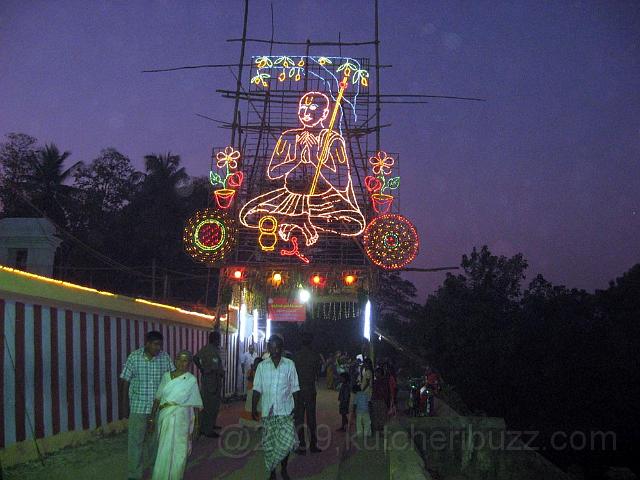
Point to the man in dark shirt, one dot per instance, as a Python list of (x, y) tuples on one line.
[(209, 362), (308, 364)]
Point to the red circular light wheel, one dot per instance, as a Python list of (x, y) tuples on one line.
[(391, 241), (209, 235)]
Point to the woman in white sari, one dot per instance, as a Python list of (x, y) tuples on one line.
[(177, 401)]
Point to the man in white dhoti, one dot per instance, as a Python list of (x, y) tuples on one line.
[(177, 401), (274, 385)]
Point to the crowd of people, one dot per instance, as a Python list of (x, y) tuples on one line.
[(367, 396), (168, 408)]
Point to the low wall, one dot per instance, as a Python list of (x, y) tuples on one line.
[(62, 348), (476, 447), (405, 462)]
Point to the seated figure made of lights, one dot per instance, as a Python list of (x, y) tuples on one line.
[(315, 193)]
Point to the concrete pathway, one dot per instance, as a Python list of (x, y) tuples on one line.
[(237, 455)]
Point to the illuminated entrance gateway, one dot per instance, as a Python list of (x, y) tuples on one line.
[(304, 198)]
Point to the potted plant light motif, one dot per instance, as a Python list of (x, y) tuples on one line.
[(377, 184), (227, 161)]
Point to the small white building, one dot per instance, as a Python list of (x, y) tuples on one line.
[(28, 244)]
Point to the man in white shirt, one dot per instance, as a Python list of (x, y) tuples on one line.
[(246, 361), (275, 385)]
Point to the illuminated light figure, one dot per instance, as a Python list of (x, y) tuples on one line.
[(228, 161), (391, 241), (382, 165), (311, 165), (294, 251), (237, 274), (268, 225)]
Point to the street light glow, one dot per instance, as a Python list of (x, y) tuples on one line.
[(367, 321), (255, 325), (304, 295), (242, 324)]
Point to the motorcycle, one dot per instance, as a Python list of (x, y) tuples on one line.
[(426, 401), (413, 402)]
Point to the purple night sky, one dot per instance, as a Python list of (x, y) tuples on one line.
[(548, 166)]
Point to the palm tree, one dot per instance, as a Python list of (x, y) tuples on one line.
[(49, 193), (155, 217), (163, 173)]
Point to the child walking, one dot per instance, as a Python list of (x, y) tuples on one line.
[(361, 410), (343, 400)]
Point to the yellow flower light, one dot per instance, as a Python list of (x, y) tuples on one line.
[(229, 156), (381, 163)]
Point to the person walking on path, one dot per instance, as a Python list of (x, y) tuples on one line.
[(178, 401), (343, 401), (331, 368), (139, 380), (380, 400), (361, 411), (308, 365), (246, 362), (275, 385), (366, 377), (246, 418), (393, 389), (209, 362)]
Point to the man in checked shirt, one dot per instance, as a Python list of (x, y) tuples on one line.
[(140, 379)]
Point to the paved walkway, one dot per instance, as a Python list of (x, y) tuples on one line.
[(237, 455)]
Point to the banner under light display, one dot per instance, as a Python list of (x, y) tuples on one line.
[(283, 309)]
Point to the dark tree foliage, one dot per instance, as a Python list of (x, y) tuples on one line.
[(115, 222), (17, 155), (35, 181), (545, 358), (108, 183)]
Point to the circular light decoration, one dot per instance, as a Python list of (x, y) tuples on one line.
[(391, 241), (209, 235)]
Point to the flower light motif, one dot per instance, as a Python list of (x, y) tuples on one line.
[(285, 61), (381, 163), (228, 158), (347, 67), (361, 76), (263, 62), (229, 180), (260, 79), (377, 184)]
